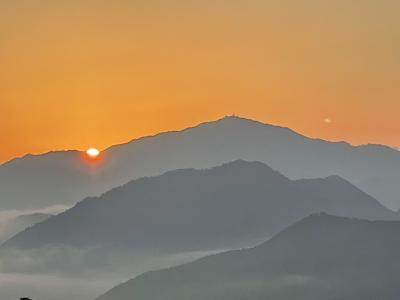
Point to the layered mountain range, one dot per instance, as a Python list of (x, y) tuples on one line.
[(320, 257), (169, 199), (231, 206), (64, 178)]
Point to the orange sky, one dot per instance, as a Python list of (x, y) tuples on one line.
[(75, 74)]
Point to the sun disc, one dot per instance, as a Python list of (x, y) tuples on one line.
[(92, 152)]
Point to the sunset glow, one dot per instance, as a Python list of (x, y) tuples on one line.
[(136, 68), (136, 135)]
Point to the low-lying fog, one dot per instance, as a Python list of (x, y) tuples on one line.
[(68, 274), (11, 222)]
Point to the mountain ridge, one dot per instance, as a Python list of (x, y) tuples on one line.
[(374, 169), (225, 207), (29, 155), (319, 257)]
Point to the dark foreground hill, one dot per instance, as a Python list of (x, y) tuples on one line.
[(230, 206), (321, 257), (64, 178)]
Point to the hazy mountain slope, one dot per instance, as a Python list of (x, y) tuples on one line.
[(35, 182), (190, 210), (28, 220), (321, 257), (63, 178), (337, 193), (11, 225)]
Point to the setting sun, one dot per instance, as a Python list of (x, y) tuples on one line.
[(92, 152)]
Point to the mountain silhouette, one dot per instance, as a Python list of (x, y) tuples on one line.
[(320, 257), (63, 178), (229, 206)]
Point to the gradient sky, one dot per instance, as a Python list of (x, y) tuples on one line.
[(81, 73)]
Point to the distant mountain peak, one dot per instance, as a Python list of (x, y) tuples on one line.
[(337, 179), (62, 178), (238, 119), (244, 195), (323, 217), (234, 119), (242, 163)]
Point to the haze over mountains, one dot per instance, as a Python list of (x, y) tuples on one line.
[(128, 223), (183, 211), (11, 224), (320, 257), (63, 178)]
